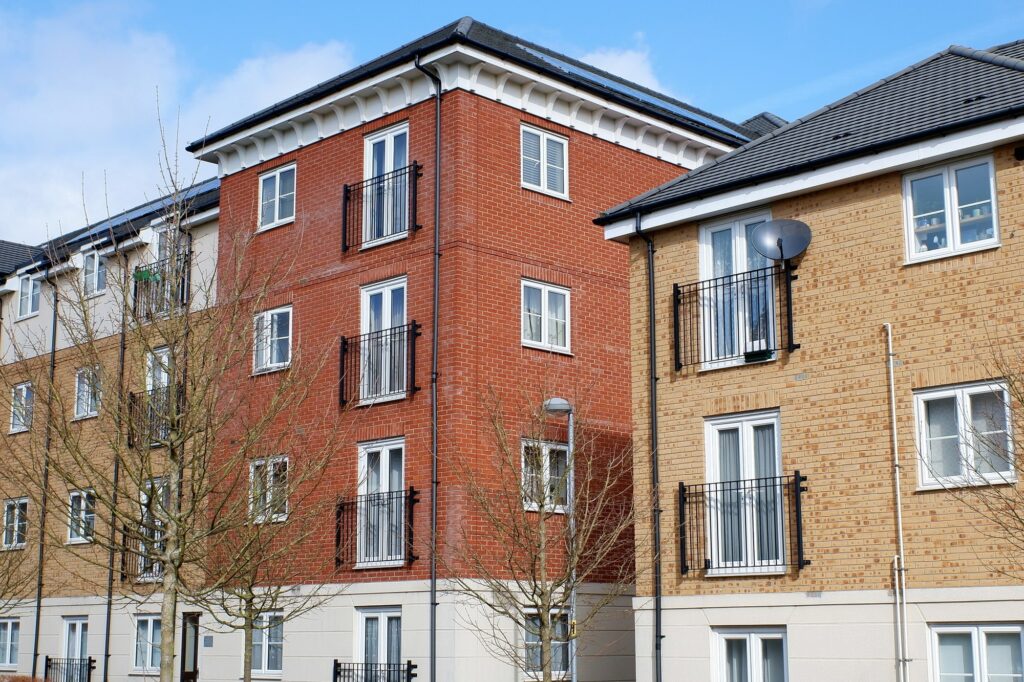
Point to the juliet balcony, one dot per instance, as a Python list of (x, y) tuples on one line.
[(374, 672), (381, 209), (379, 366), (162, 287), (150, 415), (375, 530)]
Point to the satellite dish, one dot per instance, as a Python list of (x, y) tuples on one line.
[(781, 239)]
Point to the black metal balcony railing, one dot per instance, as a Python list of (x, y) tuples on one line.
[(150, 416), (68, 669), (744, 527), (380, 208), (374, 672), (378, 366), (375, 530), (742, 317), (139, 551), (162, 286)]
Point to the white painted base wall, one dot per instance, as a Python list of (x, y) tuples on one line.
[(314, 640), (847, 636)]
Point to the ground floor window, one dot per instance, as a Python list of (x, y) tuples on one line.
[(147, 643), (977, 653), (268, 644), (10, 630), (559, 644), (757, 655), (381, 637)]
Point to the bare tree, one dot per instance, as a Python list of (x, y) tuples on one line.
[(556, 519)]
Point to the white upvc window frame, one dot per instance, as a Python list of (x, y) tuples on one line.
[(545, 290), (970, 475), (152, 645), (561, 674), (9, 643), (546, 137), (385, 289), (23, 399), (262, 328), (29, 294), (953, 237), (76, 637), (94, 281), (260, 509), (381, 614), (87, 391), (278, 220), (81, 525), (9, 534), (549, 504), (754, 638), (384, 448), (387, 135), (977, 631), (151, 570), (262, 631)]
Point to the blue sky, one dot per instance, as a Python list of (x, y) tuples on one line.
[(81, 138)]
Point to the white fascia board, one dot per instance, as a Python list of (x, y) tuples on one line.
[(901, 158)]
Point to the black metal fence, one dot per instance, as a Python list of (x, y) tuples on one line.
[(745, 527), (380, 208), (378, 366), (162, 286), (747, 317), (374, 672), (375, 529), (69, 669), (150, 416)]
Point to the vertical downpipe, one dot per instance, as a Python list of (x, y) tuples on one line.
[(434, 482), (899, 561), (655, 477)]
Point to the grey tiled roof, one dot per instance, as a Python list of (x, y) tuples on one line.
[(764, 123), (469, 31), (952, 90), (13, 254)]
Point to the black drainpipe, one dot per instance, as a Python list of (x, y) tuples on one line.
[(46, 477), (434, 333), (655, 478)]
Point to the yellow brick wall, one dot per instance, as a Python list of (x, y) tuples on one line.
[(949, 318)]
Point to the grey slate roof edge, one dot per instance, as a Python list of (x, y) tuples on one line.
[(988, 57), (14, 253), (998, 49), (460, 32)]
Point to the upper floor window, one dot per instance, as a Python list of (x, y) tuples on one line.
[(22, 399), (964, 435), (977, 653), (385, 348), (545, 475), (28, 296), (386, 197), (81, 516), (381, 507), (545, 161), (272, 332), (545, 313), (94, 274), (147, 644), (268, 644), (750, 655), (15, 523), (558, 621), (269, 486), (277, 197), (950, 209), (10, 632), (87, 393)]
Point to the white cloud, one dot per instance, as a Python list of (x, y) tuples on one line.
[(83, 134), (630, 63)]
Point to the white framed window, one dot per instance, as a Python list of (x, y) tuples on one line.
[(546, 475), (15, 523), (277, 197), (545, 161), (546, 316), (87, 392), (94, 274), (272, 339), (749, 655), (268, 645), (153, 501), (81, 516), (950, 209), (22, 400), (147, 643), (76, 643), (10, 633), (964, 435), (385, 346), (386, 198), (268, 483), (976, 653), (744, 496), (28, 296), (533, 662), (378, 636), (381, 508)]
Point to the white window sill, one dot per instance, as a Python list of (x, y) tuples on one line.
[(389, 398), (95, 294), (270, 370), (367, 245), (9, 668), (78, 541), (952, 483), (735, 362), (85, 417), (12, 548), (929, 256), (143, 673), (149, 580), (279, 518), (745, 571), (546, 192), (543, 346), (22, 318), (366, 566), (553, 509), (15, 431), (272, 226), (264, 676)]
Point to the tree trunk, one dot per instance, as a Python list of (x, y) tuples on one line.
[(168, 625), (247, 642)]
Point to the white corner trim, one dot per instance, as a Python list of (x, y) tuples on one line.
[(901, 158)]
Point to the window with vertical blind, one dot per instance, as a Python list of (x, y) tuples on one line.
[(379, 644), (755, 655), (545, 161), (545, 316), (977, 653)]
